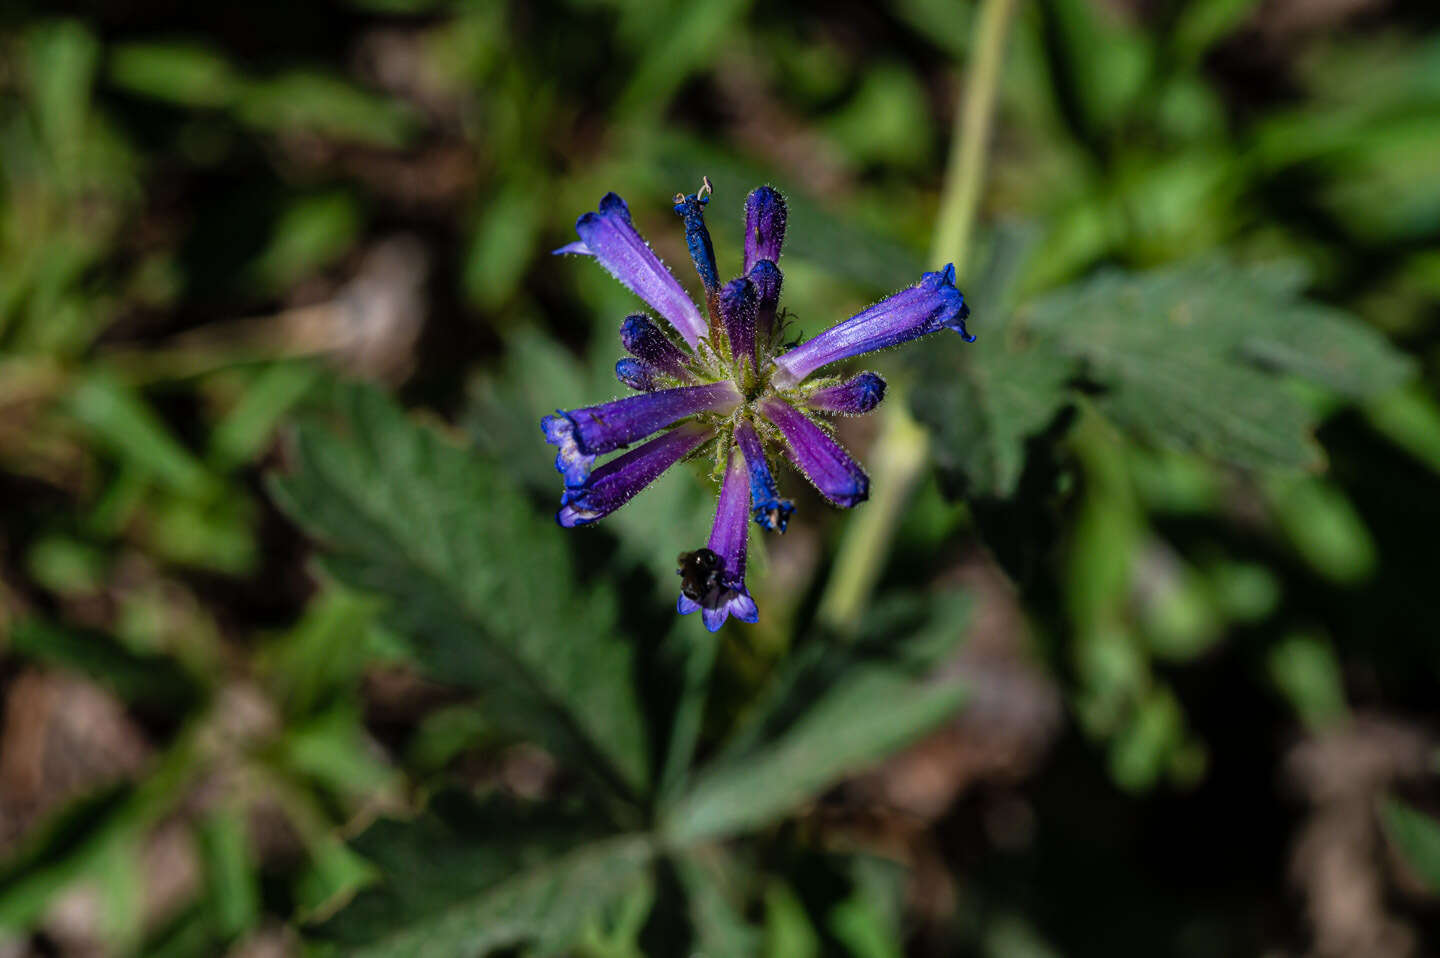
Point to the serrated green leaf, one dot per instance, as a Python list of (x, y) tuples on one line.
[(469, 878), (1417, 836), (472, 571), (1191, 356), (981, 415), (721, 931), (982, 404), (835, 710)]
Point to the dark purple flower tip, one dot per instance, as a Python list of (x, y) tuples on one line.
[(765, 217), (610, 237), (958, 310), (929, 306), (645, 341), (570, 462), (767, 279), (766, 506), (739, 302), (697, 236), (599, 429), (829, 467), (639, 375), (851, 398), (618, 481)]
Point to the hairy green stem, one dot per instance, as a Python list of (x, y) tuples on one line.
[(903, 448)]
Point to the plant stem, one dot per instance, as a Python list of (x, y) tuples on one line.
[(903, 447)]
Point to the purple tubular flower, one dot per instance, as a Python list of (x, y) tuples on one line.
[(728, 390), (638, 375), (838, 477), (644, 340), (611, 238), (927, 307), (766, 506), (583, 434), (739, 302), (765, 217), (714, 577), (851, 398), (617, 481), (767, 278), (697, 235)]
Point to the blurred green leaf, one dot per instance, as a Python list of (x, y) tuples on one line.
[(309, 235), (788, 931), (1306, 671), (120, 420), (1188, 356), (1417, 837), (709, 876), (833, 711), (248, 427), (328, 106), (887, 120), (152, 680), (233, 884), (871, 921), (66, 565), (1202, 23), (471, 572), (62, 59), (185, 74), (1099, 60), (1322, 525), (468, 878)]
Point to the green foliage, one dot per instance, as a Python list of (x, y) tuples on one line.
[(1417, 836), (1193, 357), (472, 878), (1188, 476), (392, 502), (416, 519)]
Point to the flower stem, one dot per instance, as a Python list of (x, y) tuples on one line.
[(903, 448)]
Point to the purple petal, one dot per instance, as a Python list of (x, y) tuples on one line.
[(714, 577), (639, 375), (577, 248), (838, 477), (743, 608), (732, 520), (570, 462), (644, 340), (765, 217), (766, 506), (697, 236), (598, 429), (738, 304), (851, 398), (929, 306), (617, 481), (611, 238), (767, 279)]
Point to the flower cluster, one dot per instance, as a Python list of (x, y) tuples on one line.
[(728, 387)]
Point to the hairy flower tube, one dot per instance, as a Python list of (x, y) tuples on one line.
[(724, 385)]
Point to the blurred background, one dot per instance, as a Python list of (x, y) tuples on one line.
[(1191, 598)]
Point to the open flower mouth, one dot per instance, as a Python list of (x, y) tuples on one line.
[(726, 384)]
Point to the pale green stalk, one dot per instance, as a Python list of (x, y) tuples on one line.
[(903, 448)]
